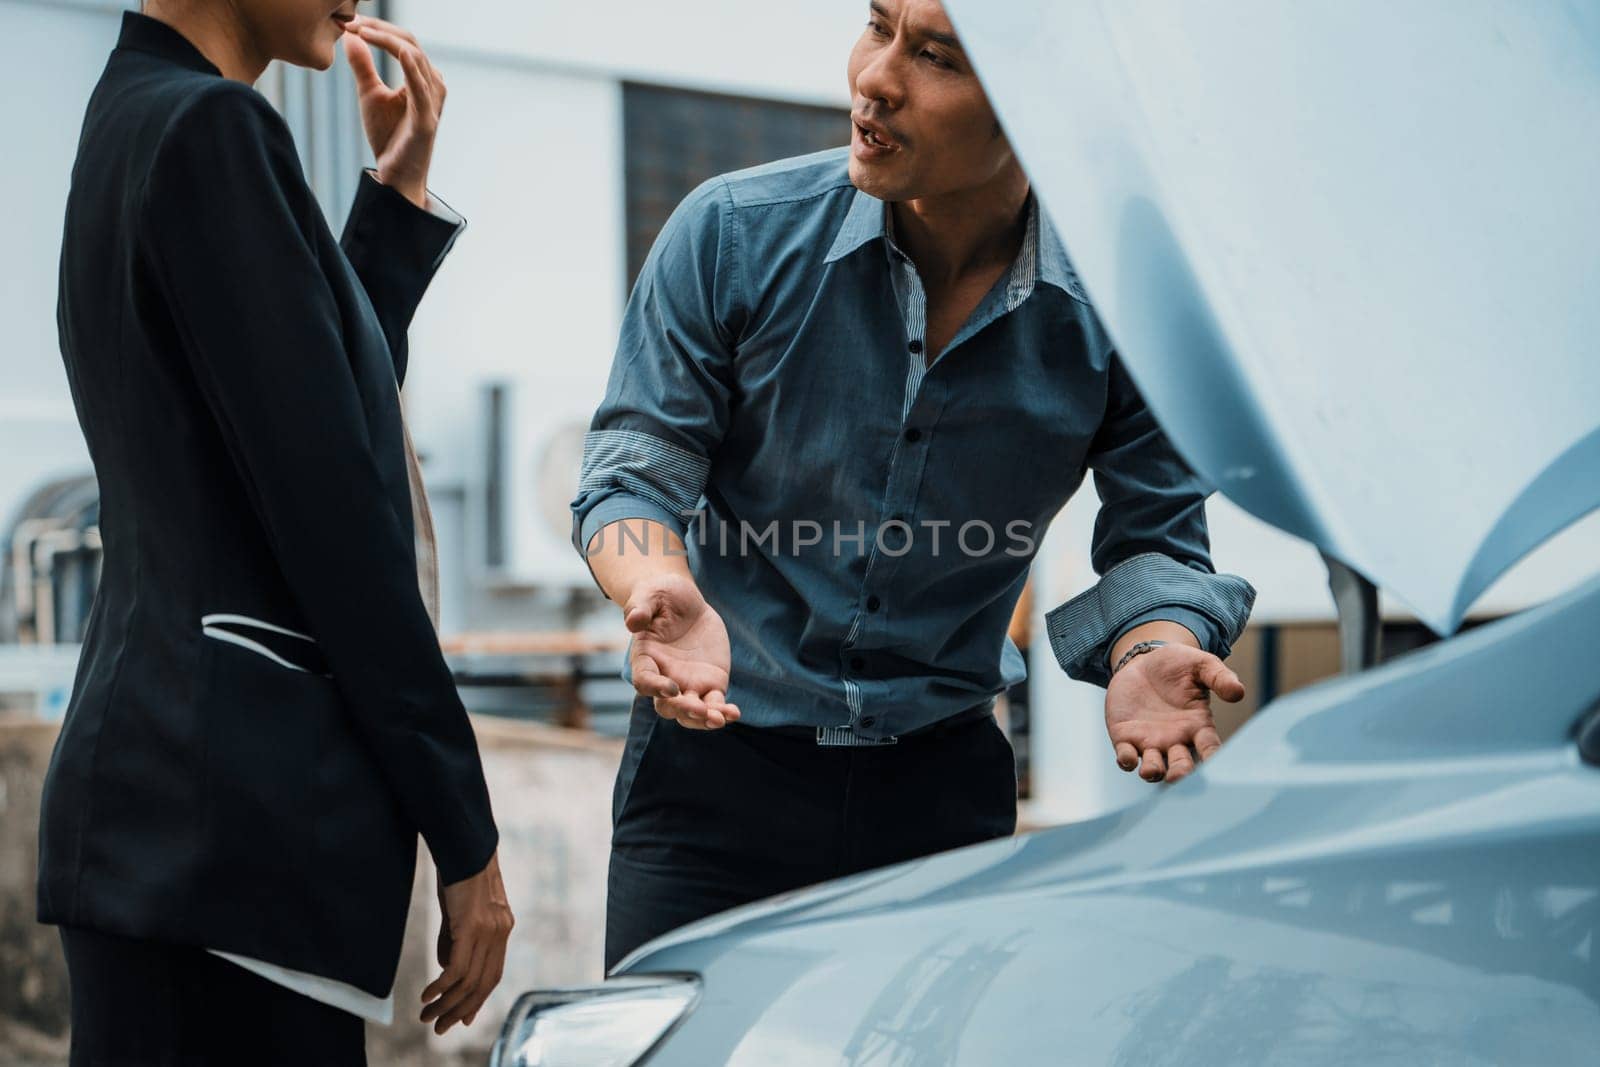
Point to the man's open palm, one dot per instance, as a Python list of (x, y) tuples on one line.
[(1158, 710), (680, 653)]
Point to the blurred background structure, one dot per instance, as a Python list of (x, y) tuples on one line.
[(570, 136)]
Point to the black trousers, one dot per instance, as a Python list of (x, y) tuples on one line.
[(146, 1004), (706, 821)]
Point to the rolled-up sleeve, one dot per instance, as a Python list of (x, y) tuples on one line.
[(648, 450), (1151, 548)]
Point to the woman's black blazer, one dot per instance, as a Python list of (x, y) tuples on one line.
[(262, 721)]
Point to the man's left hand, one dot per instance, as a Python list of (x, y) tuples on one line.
[(1158, 710)]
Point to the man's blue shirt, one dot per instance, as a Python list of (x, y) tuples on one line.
[(863, 519)]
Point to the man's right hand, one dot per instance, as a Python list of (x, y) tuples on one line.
[(680, 652), (474, 928)]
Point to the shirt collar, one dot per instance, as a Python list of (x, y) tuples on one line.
[(866, 221), (144, 34), (1042, 258), (1054, 266)]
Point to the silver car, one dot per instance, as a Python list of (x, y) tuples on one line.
[(1351, 252)]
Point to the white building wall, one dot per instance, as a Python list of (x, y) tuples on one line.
[(791, 52), (531, 296), (50, 55)]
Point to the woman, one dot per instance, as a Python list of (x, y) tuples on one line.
[(262, 721)]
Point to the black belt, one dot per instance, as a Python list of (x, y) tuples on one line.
[(844, 737)]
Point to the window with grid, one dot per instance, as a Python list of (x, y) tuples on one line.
[(674, 139)]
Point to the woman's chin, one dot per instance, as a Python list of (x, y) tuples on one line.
[(314, 55), (324, 55)]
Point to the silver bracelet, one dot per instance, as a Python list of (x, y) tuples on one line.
[(1138, 650)]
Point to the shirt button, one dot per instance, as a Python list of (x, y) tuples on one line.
[(856, 663), (873, 603), (915, 346), (869, 722), (913, 435)]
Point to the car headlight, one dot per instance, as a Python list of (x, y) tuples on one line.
[(614, 1024)]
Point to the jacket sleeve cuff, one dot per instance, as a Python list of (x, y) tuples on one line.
[(1082, 630), (397, 247), (445, 213), (463, 857)]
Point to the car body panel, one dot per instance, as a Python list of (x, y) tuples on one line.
[(1347, 251), (1395, 867)]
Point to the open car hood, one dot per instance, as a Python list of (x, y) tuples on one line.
[(1349, 251)]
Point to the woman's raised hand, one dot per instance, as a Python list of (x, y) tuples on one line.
[(401, 123)]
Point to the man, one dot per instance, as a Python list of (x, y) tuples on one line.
[(859, 386)]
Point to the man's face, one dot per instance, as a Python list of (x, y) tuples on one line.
[(923, 126)]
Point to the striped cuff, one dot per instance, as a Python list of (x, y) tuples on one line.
[(632, 475), (667, 475), (1083, 629)]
